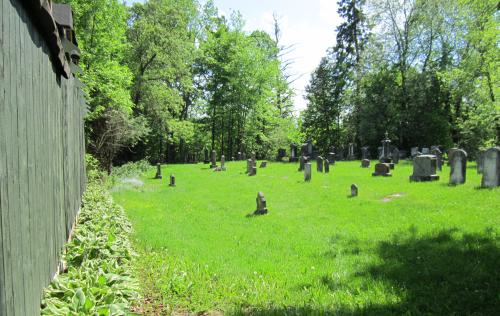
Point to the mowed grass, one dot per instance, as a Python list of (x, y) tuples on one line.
[(399, 247)]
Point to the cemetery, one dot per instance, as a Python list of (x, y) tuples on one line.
[(219, 157)]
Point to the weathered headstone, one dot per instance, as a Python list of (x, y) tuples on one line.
[(307, 171), (281, 154), (172, 180), (240, 157), (424, 168), (365, 152), (331, 157), (426, 151), (263, 164), (350, 152), (395, 155), (158, 171), (439, 157), (293, 153), (365, 163), (207, 160), (319, 164), (261, 204), (213, 160), (480, 162), (449, 153), (249, 165), (302, 161), (223, 163), (354, 190), (491, 168), (414, 152), (458, 166), (326, 165), (382, 169), (385, 156), (253, 171)]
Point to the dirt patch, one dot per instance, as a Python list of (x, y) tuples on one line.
[(392, 196)]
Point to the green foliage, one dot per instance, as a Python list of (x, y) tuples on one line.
[(98, 279), (427, 248), (128, 170)]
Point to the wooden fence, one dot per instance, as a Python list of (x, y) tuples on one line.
[(42, 172)]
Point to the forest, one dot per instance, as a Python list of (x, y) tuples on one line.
[(167, 79)]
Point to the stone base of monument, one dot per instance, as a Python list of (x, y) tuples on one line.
[(433, 177), (383, 170)]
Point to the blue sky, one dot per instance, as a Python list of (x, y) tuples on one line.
[(309, 25)]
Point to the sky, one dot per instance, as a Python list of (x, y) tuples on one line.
[(309, 25)]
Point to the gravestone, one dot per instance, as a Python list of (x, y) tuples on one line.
[(331, 157), (354, 190), (449, 153), (414, 152), (253, 171), (263, 164), (249, 165), (261, 204), (386, 152), (491, 168), (480, 162), (281, 154), (424, 168), (293, 153), (158, 171), (307, 171), (426, 151), (458, 166), (240, 157), (350, 152), (395, 155), (382, 169), (319, 164), (206, 160), (379, 152), (326, 165), (302, 161), (439, 157), (213, 160), (365, 163), (223, 163), (365, 152), (172, 181)]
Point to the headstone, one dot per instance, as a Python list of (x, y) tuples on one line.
[(491, 168), (480, 162), (458, 166), (365, 152), (261, 204), (172, 180), (395, 155), (350, 152), (207, 160), (319, 164), (249, 165), (327, 165), (354, 190), (386, 147), (365, 163), (379, 151), (426, 151), (263, 164), (414, 152), (382, 169), (439, 157), (450, 152), (213, 160), (253, 171), (240, 157), (281, 154), (293, 153), (302, 161), (424, 168), (158, 171), (307, 171), (223, 163), (331, 157)]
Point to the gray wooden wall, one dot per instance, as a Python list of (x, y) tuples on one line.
[(42, 172)]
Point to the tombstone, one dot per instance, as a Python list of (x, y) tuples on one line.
[(424, 168), (249, 165), (223, 163), (307, 171), (414, 152), (379, 151), (403, 154), (395, 155), (450, 152), (158, 171), (386, 150), (281, 154), (207, 160), (331, 157), (326, 165), (263, 164), (382, 169), (240, 157), (365, 163), (350, 152), (213, 160), (319, 164), (302, 161), (426, 151), (232, 158), (365, 152), (293, 153), (491, 168), (439, 157), (253, 171), (458, 166), (172, 181), (480, 162), (354, 190), (261, 204)]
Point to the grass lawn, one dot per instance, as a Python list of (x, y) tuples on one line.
[(399, 247)]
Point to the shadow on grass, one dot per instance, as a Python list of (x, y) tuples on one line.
[(446, 273)]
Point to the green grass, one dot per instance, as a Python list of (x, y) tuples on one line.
[(433, 250)]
